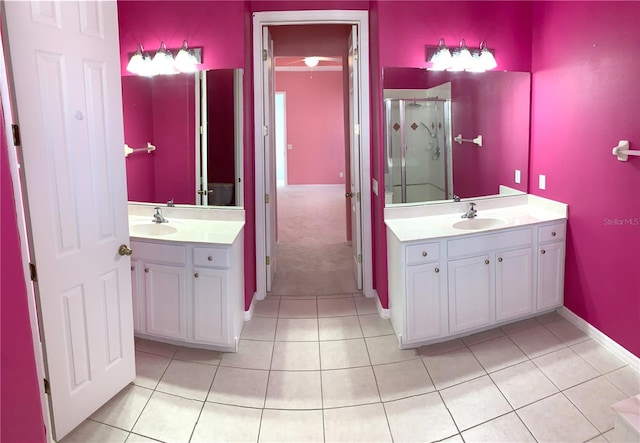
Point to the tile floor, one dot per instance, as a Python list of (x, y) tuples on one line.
[(329, 369)]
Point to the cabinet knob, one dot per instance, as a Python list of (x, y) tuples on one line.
[(543, 251), (486, 262), (437, 270), (210, 258), (133, 268), (500, 259), (196, 275), (146, 269), (553, 234), (424, 253)]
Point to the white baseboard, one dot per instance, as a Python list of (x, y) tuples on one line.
[(600, 337), (384, 313), (248, 314)]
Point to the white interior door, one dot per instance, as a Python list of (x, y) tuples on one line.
[(270, 187), (238, 135), (65, 66), (202, 139), (354, 150)]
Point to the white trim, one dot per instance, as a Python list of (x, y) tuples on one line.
[(9, 112), (383, 312), (248, 314), (600, 337), (271, 18)]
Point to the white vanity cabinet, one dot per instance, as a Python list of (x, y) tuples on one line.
[(191, 294), (550, 255), (470, 288)]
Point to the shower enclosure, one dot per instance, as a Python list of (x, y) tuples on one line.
[(417, 135)]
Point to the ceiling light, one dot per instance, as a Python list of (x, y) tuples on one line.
[(311, 61)]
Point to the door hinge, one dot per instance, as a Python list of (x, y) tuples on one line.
[(15, 130), (266, 199), (356, 129), (201, 129), (359, 258), (33, 274), (358, 197), (264, 55), (265, 130), (268, 260), (355, 53), (47, 386)]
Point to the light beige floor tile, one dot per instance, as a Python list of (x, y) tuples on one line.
[(297, 329), (291, 426), (365, 305), (149, 369), (295, 356), (508, 428), (239, 387), (497, 354), (610, 435), (594, 399), (349, 387), (294, 390), (403, 379), (251, 355), (259, 328), (385, 349), (373, 326), (342, 354), (523, 384), (565, 368), (186, 379), (441, 348), (168, 418), (156, 348), (566, 332), (222, 423), (339, 328), (336, 307), (483, 336), (598, 356), (295, 308), (355, 424), (91, 431), (599, 439), (124, 409), (418, 419), (555, 419), (267, 308), (522, 325), (474, 402), (548, 317), (536, 341), (198, 355), (453, 367), (626, 379), (453, 439), (137, 438)]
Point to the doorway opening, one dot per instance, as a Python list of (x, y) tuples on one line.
[(273, 260)]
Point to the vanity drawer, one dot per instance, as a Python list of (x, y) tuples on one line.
[(551, 233), (211, 257), (159, 252), (422, 253), (490, 242)]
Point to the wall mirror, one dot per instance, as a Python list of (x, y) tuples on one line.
[(194, 121), (430, 122)]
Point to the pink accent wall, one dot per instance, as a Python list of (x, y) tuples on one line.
[(315, 126), (21, 413), (585, 98)]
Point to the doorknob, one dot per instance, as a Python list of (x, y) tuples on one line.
[(125, 250), (349, 194)]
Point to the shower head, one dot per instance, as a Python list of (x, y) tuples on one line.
[(415, 104)]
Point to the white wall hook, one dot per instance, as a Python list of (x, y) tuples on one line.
[(623, 152), (477, 140)]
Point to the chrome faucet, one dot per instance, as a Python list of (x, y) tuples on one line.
[(171, 203), (471, 211), (158, 217), (456, 198)]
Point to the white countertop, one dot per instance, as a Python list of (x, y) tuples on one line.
[(410, 224)]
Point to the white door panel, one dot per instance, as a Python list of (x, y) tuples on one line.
[(269, 156), (354, 149), (66, 71)]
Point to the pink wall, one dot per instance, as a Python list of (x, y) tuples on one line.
[(315, 126), (21, 413), (585, 98), (221, 126), (400, 32)]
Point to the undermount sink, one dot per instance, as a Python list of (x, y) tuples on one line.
[(479, 223), (151, 229)]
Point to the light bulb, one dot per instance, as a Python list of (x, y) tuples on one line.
[(311, 61), (487, 60)]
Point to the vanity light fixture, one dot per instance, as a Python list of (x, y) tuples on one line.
[(140, 63), (311, 61), (462, 59), (163, 62), (186, 60)]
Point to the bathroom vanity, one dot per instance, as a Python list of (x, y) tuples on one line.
[(450, 276), (187, 275)]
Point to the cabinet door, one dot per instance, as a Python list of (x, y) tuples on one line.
[(514, 288), (550, 275), (470, 302), (137, 295), (424, 303), (165, 295), (210, 316)]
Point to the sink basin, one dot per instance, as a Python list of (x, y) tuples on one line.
[(152, 229), (479, 223)]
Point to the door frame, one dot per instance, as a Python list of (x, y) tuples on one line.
[(283, 94), (275, 18)]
